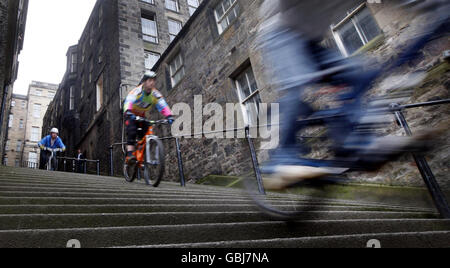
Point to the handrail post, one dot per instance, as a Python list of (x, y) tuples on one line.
[(111, 160), (255, 161), (85, 166), (425, 170), (98, 167), (180, 163)]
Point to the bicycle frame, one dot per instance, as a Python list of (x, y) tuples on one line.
[(142, 151)]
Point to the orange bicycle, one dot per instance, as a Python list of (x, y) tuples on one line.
[(149, 154)]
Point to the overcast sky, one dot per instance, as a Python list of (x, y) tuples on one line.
[(52, 26)]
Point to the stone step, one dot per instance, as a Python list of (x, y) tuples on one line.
[(139, 208), (387, 240), (202, 233), (59, 221)]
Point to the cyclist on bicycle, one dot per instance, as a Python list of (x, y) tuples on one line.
[(138, 103), (52, 141), (288, 40)]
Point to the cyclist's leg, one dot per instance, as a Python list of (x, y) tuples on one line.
[(289, 54), (45, 158), (131, 129)]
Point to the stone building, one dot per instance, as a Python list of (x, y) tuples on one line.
[(16, 131), (13, 14), (40, 95), (121, 40)]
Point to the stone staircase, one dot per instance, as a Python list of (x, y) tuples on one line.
[(42, 209)]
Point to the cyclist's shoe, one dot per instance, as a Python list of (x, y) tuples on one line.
[(131, 161), (285, 176)]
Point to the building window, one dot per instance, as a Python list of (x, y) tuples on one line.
[(248, 96), (35, 135), (32, 159), (7, 145), (13, 103), (72, 98), (24, 104), (38, 92), (73, 63), (21, 124), (151, 58), (11, 121), (172, 5), (356, 30), (51, 94), (176, 69), (19, 146), (152, 2), (100, 93), (226, 12), (174, 28), (193, 5), (149, 29), (37, 110)]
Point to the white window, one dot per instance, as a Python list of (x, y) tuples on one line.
[(11, 120), (35, 134), (356, 30), (99, 93), (177, 69), (152, 2), (149, 29), (151, 58), (32, 159), (226, 12), (7, 145), (248, 96), (24, 104), (38, 92), (172, 5), (37, 110), (72, 98), (21, 124), (193, 5), (51, 94), (174, 28), (13, 103)]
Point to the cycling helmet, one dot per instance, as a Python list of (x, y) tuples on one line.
[(148, 75), (54, 130)]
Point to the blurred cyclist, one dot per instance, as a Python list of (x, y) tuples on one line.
[(288, 39)]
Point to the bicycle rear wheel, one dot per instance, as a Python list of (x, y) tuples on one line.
[(154, 166)]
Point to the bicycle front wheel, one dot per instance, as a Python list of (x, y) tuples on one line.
[(154, 162), (130, 173)]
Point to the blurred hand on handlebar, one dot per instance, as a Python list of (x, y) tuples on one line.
[(170, 120)]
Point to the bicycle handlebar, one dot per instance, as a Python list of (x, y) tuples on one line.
[(53, 150), (152, 122)]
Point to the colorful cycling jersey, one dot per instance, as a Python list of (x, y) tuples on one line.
[(139, 103)]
